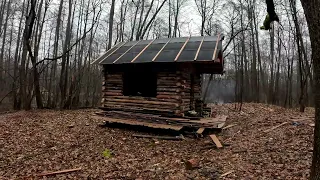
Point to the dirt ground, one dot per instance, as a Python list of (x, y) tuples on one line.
[(46, 140)]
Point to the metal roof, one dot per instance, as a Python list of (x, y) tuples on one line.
[(183, 49)]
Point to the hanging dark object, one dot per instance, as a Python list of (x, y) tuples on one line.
[(270, 17)]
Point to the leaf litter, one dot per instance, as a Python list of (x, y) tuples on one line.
[(33, 142)]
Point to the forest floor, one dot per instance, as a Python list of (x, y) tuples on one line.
[(46, 140)]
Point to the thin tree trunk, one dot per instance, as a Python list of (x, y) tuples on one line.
[(65, 62), (111, 23), (5, 27)]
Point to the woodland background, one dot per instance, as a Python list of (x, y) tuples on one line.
[(47, 46)]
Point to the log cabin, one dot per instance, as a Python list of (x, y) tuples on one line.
[(160, 76)]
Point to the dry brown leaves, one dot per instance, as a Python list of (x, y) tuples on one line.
[(43, 140)]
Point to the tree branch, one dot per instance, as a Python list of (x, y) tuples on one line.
[(74, 44), (232, 37)]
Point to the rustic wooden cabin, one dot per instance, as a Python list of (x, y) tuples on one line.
[(160, 76)]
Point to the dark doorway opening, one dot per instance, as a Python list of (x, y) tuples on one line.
[(140, 84)]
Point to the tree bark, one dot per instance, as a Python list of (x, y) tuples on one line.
[(111, 23), (312, 13)]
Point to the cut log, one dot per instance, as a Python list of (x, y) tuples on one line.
[(171, 93), (139, 109), (141, 102), (147, 98), (168, 78), (107, 88), (160, 96), (112, 90), (106, 94), (182, 87), (177, 90), (143, 106)]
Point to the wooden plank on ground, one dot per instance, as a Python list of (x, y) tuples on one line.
[(139, 123), (216, 140), (200, 130)]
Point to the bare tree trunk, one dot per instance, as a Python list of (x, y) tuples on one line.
[(65, 61), (134, 21), (16, 96), (169, 19), (111, 23), (254, 78), (312, 9), (271, 83), (2, 68), (53, 80)]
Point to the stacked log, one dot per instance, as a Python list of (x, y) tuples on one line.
[(172, 86), (186, 96), (197, 94), (112, 85), (168, 100)]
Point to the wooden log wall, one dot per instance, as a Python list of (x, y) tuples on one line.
[(187, 95), (171, 86), (177, 93), (112, 85), (167, 101), (197, 94)]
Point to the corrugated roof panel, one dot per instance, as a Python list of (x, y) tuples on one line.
[(187, 55), (132, 53), (208, 45), (122, 49), (146, 56), (169, 53), (167, 56), (155, 47), (106, 54), (111, 58), (205, 55), (189, 51)]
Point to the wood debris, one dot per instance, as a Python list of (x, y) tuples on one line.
[(160, 137), (53, 173), (58, 172), (216, 141), (229, 126), (200, 130), (227, 173), (275, 127)]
